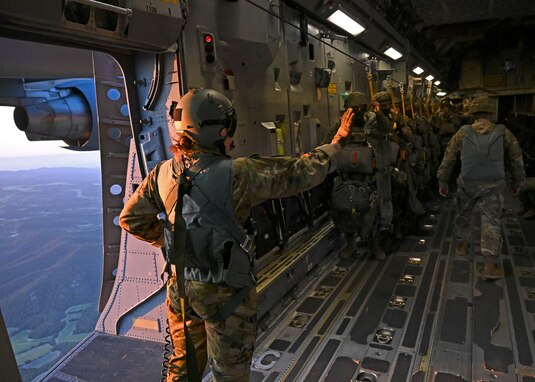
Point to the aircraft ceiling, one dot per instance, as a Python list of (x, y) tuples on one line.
[(444, 31)]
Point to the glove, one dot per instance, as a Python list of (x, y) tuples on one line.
[(345, 126)]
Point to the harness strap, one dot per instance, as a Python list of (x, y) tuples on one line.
[(179, 250), (230, 306), (246, 241), (185, 180)]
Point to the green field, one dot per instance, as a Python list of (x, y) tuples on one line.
[(36, 352)]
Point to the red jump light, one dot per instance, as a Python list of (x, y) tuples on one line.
[(207, 45)]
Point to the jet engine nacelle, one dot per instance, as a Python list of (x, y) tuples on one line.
[(59, 110), (68, 119)]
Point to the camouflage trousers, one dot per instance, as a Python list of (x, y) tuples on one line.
[(226, 345), (488, 196)]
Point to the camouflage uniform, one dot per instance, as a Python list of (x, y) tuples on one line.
[(359, 184), (404, 198), (417, 157), (446, 123), (381, 141), (487, 194), (429, 155), (411, 163), (227, 345)]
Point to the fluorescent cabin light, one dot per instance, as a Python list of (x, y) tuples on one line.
[(345, 22), (418, 70), (437, 83), (429, 78), (392, 53), (441, 94)]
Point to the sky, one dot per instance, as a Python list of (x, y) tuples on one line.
[(17, 153)]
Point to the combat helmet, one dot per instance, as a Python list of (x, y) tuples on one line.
[(482, 104), (201, 114), (384, 98), (446, 102), (355, 99)]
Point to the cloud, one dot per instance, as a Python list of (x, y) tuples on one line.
[(17, 153)]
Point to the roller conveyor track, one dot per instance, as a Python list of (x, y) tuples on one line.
[(421, 315)]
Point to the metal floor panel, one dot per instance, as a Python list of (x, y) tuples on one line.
[(422, 315), (104, 357)]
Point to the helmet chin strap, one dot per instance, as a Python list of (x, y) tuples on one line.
[(221, 145), (223, 149)]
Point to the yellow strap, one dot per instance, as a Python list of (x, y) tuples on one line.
[(392, 99), (402, 92), (370, 84)]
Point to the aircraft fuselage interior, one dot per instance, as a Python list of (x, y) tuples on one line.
[(105, 74)]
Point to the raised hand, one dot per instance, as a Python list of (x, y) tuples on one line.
[(345, 126)]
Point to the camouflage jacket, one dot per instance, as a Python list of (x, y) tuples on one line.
[(512, 154), (254, 181)]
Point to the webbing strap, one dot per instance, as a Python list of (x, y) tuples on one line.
[(224, 218), (180, 239), (230, 306), (179, 249)]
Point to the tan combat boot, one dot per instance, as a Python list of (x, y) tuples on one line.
[(461, 248), (491, 271)]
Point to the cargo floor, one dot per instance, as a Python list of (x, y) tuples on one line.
[(421, 315)]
